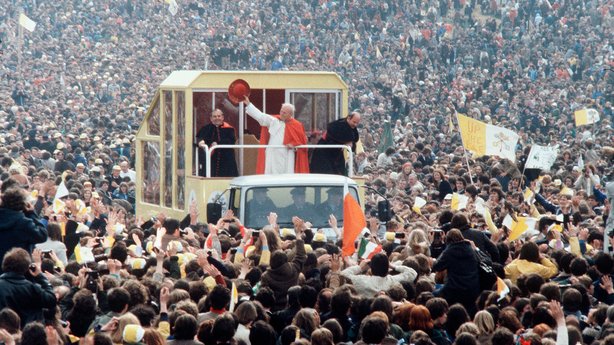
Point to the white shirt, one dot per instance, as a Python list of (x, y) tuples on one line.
[(130, 173), (278, 161)]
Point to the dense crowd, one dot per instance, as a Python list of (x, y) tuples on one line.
[(86, 270)]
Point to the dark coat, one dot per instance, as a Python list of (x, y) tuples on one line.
[(462, 265), (20, 229), (223, 163), (26, 298), (281, 278), (332, 161), (483, 242)]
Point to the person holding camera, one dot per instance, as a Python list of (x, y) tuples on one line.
[(26, 296), (20, 226)]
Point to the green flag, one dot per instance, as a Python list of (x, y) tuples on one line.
[(386, 140)]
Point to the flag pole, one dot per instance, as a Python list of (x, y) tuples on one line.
[(19, 45), (464, 151)]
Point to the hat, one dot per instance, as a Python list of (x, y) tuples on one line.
[(133, 334), (83, 136), (138, 263), (334, 190), (298, 191), (80, 165), (210, 283), (95, 169), (237, 90), (285, 232), (557, 182), (57, 135), (96, 138), (389, 236), (308, 248), (319, 237), (116, 167), (60, 146), (98, 161)]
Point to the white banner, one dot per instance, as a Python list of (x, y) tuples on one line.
[(542, 157)]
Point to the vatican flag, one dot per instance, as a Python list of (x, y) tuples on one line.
[(586, 117), (483, 139)]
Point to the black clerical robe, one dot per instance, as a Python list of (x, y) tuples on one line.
[(332, 161), (223, 163)]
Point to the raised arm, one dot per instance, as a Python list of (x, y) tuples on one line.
[(255, 113)]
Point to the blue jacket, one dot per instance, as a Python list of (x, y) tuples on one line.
[(25, 297), (20, 229)]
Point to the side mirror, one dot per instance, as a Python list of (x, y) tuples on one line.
[(214, 212), (383, 211)]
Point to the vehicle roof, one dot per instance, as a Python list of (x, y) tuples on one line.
[(291, 180)]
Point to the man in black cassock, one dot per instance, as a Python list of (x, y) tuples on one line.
[(223, 162), (332, 161)]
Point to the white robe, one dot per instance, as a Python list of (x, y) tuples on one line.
[(278, 161)]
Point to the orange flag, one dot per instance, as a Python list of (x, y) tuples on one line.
[(353, 223)]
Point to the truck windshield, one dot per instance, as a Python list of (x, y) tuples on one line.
[(310, 203)]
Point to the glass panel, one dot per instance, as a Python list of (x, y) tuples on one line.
[(303, 103), (151, 172), (153, 121), (323, 110), (168, 149), (202, 107), (310, 203), (180, 145)]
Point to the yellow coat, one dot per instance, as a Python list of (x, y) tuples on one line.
[(546, 268)]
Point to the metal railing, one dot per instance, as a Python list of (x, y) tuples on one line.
[(209, 150)]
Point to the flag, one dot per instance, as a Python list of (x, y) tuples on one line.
[(367, 249), (61, 192), (234, 297), (580, 162), (519, 227), (378, 54), (541, 157), (502, 289), (459, 201), (418, 204), (475, 134), (586, 117), (386, 139), (173, 7), (26, 22), (529, 196), (58, 206), (353, 223)]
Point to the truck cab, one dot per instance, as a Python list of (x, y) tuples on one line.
[(311, 197)]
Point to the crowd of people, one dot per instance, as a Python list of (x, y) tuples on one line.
[(83, 269)]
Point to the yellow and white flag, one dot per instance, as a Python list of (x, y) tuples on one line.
[(502, 289), (418, 204), (26, 22), (483, 139), (234, 296), (586, 117), (459, 201), (519, 227)]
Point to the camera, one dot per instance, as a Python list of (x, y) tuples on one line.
[(46, 254), (399, 235), (256, 233)]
